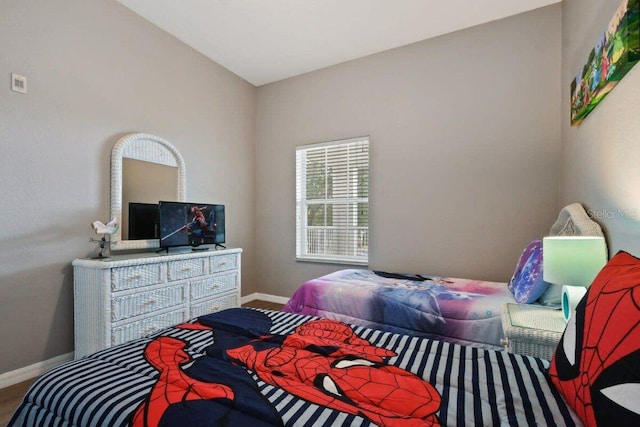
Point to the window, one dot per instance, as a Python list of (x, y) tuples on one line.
[(332, 201)]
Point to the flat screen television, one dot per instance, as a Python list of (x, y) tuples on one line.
[(191, 224), (144, 221)]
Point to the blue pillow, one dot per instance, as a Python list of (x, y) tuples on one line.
[(527, 284)]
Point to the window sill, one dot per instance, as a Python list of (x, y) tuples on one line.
[(332, 261)]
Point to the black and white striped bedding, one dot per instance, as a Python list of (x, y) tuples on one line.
[(477, 387)]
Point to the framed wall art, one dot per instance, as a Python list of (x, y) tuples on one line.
[(615, 53)]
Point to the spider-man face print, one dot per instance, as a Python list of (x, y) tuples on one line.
[(597, 363), (324, 362)]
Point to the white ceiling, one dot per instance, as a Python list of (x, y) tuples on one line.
[(264, 41)]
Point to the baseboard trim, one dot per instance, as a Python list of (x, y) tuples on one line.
[(29, 372), (263, 297)]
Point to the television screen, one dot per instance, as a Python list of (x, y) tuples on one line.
[(144, 221), (191, 224)]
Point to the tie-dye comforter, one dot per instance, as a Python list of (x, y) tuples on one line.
[(460, 311)]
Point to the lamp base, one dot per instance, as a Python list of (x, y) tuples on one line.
[(571, 296)]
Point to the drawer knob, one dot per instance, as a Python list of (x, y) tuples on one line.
[(504, 342)]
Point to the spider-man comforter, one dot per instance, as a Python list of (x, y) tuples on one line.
[(460, 311), (244, 367)]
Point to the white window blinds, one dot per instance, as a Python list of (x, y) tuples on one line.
[(332, 201)]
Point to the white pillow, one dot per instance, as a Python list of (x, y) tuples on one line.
[(552, 296)]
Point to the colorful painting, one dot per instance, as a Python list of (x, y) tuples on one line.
[(615, 53)]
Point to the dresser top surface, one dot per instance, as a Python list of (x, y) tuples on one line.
[(150, 257)]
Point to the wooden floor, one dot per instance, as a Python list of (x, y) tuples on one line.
[(11, 397), (264, 304)]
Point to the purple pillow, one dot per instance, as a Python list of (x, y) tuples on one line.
[(527, 284)]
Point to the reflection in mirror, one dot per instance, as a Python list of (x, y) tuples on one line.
[(144, 169), (145, 182)]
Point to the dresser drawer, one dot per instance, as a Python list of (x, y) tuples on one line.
[(126, 306), (143, 327), (185, 269), (214, 304), (223, 263), (126, 297), (123, 278), (214, 285)]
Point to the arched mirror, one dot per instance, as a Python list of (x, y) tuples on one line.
[(144, 170)]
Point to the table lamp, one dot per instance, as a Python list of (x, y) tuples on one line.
[(572, 262)]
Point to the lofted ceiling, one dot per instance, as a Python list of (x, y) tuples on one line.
[(264, 41)]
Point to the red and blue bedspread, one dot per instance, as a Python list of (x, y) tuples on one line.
[(455, 310), (244, 367)]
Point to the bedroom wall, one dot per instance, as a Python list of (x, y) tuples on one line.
[(465, 146), (97, 71), (600, 157)]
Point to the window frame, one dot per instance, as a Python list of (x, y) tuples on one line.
[(352, 204)]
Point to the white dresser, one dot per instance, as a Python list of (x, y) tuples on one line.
[(129, 296)]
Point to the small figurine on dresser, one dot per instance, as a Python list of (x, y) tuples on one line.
[(106, 230)]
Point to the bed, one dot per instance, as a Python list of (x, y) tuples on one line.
[(208, 373), (455, 310), (250, 367)]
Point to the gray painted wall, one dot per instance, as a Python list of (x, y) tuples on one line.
[(600, 157), (97, 71), (465, 133), (465, 149)]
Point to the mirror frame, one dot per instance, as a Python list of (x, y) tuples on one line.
[(148, 148)]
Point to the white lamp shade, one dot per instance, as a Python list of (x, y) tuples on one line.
[(572, 260)]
